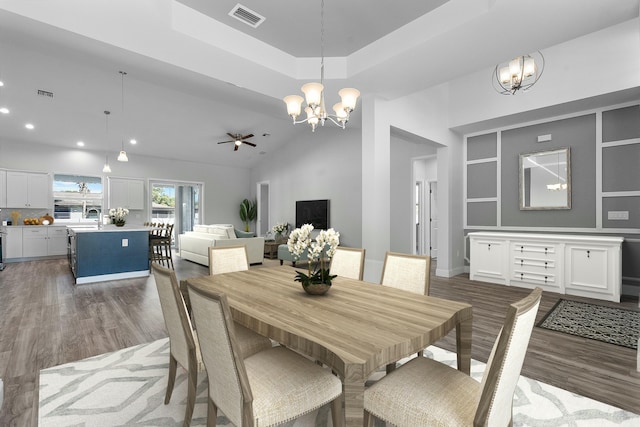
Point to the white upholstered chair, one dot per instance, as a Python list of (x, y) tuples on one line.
[(406, 272), (348, 262), (183, 340), (424, 392), (265, 389), (227, 259)]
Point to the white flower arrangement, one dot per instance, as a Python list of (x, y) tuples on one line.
[(300, 239), (280, 228), (118, 214)]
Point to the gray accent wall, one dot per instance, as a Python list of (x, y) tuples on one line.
[(620, 174), (579, 134)]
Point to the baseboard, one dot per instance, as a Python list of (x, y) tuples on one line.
[(450, 273)]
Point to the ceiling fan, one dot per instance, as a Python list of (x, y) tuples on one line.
[(238, 140)]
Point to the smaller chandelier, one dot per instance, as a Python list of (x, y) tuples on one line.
[(314, 95), (519, 73)]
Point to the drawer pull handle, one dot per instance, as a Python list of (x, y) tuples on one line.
[(545, 265), (545, 279), (521, 276), (521, 262), (489, 246), (521, 249), (545, 251), (588, 254)]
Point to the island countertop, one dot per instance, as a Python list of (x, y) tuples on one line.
[(109, 228)]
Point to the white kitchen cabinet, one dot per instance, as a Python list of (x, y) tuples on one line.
[(126, 193), (28, 190), (3, 188), (589, 266), (12, 242), (40, 241)]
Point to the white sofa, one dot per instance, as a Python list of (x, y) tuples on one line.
[(194, 245)]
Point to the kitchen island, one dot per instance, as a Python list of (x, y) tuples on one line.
[(108, 253)]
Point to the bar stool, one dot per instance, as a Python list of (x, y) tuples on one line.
[(160, 246)]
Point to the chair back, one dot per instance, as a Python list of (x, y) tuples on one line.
[(348, 262), (227, 259), (175, 315), (407, 272), (505, 362), (228, 382)]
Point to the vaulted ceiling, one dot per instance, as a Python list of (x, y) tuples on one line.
[(195, 73)]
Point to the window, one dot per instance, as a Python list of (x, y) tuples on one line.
[(77, 198)]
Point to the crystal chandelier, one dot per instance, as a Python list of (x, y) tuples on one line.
[(519, 73), (314, 94)]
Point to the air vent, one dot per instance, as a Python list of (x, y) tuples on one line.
[(45, 93), (246, 15)]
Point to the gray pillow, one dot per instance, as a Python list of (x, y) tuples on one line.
[(242, 234)]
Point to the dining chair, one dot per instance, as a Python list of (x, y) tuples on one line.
[(266, 389), (426, 392), (406, 272), (228, 259), (348, 262), (183, 340)]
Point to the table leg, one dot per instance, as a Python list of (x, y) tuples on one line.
[(463, 345), (354, 403)]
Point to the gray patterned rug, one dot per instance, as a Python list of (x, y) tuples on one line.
[(612, 325), (126, 388)]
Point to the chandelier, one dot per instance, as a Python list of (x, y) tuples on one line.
[(519, 73), (314, 95), (122, 157)]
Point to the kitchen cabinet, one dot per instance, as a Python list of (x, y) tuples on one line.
[(3, 188), (38, 241), (27, 190), (589, 266), (12, 242), (126, 193)]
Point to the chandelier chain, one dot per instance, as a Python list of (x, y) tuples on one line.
[(322, 42)]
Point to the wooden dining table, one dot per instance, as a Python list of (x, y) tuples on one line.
[(355, 329)]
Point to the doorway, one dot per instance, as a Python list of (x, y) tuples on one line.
[(263, 220)]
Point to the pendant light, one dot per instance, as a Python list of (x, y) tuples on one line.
[(107, 168), (122, 157)]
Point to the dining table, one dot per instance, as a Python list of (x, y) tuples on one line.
[(355, 329)]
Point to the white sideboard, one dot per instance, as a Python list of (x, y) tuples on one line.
[(589, 266)]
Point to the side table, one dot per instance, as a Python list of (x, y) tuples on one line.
[(271, 249)]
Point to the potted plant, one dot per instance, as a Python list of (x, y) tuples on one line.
[(317, 280), (248, 212)]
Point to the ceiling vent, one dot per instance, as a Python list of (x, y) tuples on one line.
[(45, 93), (246, 15)]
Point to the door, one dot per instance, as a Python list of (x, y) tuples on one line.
[(176, 203)]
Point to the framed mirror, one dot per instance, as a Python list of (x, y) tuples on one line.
[(545, 180)]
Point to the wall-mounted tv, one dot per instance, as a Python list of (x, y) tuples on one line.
[(314, 212)]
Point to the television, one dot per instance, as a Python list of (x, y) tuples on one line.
[(314, 212)]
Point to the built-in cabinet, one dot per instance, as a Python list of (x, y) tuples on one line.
[(34, 241), (27, 190), (589, 266), (126, 193)]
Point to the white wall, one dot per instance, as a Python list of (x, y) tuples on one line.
[(324, 164), (224, 187), (599, 63)]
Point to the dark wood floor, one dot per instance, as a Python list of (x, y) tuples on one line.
[(45, 321)]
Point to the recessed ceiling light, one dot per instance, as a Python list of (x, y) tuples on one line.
[(29, 126), (133, 141), (1, 83), (80, 144), (4, 110)]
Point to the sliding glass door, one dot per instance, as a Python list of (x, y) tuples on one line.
[(177, 203)]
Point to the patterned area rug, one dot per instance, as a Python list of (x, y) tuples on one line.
[(611, 325), (126, 388)]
